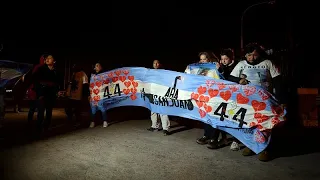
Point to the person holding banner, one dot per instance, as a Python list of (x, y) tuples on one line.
[(206, 67), (258, 71), (97, 70), (227, 64), (155, 116)]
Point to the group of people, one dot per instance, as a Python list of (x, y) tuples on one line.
[(256, 69), (46, 85)]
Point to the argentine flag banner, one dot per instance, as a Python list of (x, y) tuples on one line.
[(245, 111)]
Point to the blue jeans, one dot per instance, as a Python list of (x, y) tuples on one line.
[(94, 111)]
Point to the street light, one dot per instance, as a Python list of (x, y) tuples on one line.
[(244, 12)]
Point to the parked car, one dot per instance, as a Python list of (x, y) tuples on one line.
[(11, 74)]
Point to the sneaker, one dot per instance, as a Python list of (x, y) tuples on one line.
[(105, 124), (203, 140), (92, 125), (212, 144), (166, 132), (235, 146), (152, 129)]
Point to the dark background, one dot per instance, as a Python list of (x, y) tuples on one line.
[(133, 33)]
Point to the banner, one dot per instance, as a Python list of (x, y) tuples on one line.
[(204, 69), (244, 111)]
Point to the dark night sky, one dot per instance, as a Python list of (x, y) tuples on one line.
[(125, 34)]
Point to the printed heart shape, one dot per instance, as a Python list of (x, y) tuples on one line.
[(259, 137), (194, 96), (115, 79), (260, 127), (106, 81), (92, 85), (118, 72), (133, 90), (96, 98), (221, 85), (226, 95), (213, 92), (122, 78), (131, 78), (252, 124), (133, 97), (98, 83), (207, 108), (234, 88), (126, 72), (135, 84), (110, 74), (199, 103), (126, 91), (258, 106), (275, 120), (96, 91), (204, 98), (248, 90), (127, 83), (277, 110), (260, 117), (202, 113), (210, 83), (263, 94), (242, 99), (202, 90)]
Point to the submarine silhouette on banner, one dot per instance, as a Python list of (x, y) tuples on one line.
[(170, 99)]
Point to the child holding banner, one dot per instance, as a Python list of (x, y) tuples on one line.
[(97, 70), (155, 116), (227, 64), (257, 71), (211, 134)]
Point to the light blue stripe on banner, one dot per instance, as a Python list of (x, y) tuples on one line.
[(222, 104)]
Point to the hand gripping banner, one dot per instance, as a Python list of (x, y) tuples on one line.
[(244, 111)]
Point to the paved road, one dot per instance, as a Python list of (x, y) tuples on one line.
[(125, 150)]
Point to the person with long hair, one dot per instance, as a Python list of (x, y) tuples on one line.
[(211, 134)]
